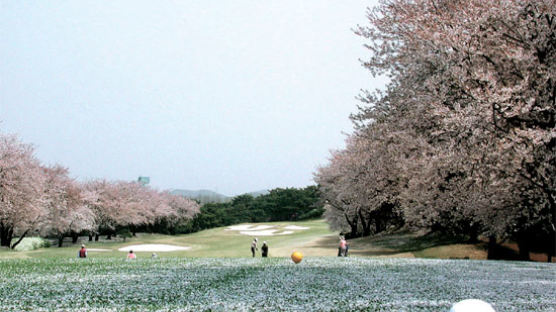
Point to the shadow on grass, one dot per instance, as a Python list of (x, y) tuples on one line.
[(409, 242), (391, 244), (416, 243)]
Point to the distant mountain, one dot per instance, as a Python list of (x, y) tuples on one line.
[(203, 196), (208, 196), (258, 193)]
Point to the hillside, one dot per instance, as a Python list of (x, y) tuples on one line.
[(208, 196), (258, 193), (203, 196)]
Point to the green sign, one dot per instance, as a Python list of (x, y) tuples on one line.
[(144, 180)]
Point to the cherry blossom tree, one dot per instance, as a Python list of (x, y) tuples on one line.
[(182, 207), (182, 211), (108, 206), (472, 103), (46, 200), (68, 214), (362, 184), (119, 205), (486, 68), (21, 189)]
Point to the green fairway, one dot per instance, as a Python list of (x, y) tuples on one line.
[(246, 284), (316, 240)]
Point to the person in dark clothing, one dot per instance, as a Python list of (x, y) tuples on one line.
[(264, 250)]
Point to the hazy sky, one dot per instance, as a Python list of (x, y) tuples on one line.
[(234, 96)]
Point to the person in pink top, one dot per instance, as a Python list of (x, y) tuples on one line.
[(343, 247), (131, 255)]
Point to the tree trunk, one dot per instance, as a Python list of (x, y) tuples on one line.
[(96, 237), (4, 241), (524, 249), (551, 247), (6, 233), (10, 235), (74, 237), (353, 226), (19, 240), (492, 246), (473, 235), (90, 237), (366, 225), (109, 236), (551, 195), (60, 240), (378, 225)]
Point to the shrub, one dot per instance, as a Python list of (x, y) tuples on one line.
[(31, 243)]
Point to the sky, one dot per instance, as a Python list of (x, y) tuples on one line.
[(232, 96)]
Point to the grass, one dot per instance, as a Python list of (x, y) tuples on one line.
[(273, 284), (218, 274), (318, 240), (218, 242), (418, 245)]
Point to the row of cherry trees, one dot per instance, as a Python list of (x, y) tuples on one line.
[(44, 200), (463, 138)]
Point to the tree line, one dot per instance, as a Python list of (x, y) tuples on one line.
[(43, 200), (280, 204), (462, 139)]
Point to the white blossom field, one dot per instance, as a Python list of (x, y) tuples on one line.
[(274, 284)]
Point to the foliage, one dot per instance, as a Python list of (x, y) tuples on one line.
[(274, 284), (289, 204), (463, 139), (202, 196), (32, 243), (217, 242), (45, 200), (21, 190)]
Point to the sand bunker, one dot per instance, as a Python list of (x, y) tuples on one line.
[(98, 249), (249, 227), (296, 227), (263, 230), (153, 247), (284, 233), (258, 233), (265, 233)]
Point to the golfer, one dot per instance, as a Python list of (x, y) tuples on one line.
[(254, 246), (264, 250)]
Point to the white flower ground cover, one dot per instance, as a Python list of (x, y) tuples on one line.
[(274, 284)]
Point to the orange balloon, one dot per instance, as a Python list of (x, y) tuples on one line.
[(297, 256)]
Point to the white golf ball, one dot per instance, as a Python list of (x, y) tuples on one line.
[(471, 305)]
